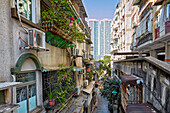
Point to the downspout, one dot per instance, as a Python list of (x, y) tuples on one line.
[(12, 90)]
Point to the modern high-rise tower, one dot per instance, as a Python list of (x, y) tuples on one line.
[(105, 37), (93, 24)]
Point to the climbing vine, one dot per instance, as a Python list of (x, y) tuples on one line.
[(61, 15), (63, 86)]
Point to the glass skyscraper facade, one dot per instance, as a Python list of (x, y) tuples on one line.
[(101, 38), (105, 37), (93, 24)]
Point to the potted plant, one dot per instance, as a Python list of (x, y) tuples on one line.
[(51, 98)]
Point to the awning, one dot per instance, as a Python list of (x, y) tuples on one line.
[(158, 2), (136, 2), (139, 108), (58, 41), (6, 85), (89, 88), (129, 79), (7, 108)]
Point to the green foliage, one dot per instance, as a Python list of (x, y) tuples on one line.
[(105, 65), (93, 71), (110, 106), (109, 85), (63, 86), (51, 95), (59, 15)]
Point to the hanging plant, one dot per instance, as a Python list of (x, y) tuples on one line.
[(62, 16)]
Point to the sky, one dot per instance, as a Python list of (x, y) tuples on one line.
[(100, 9)]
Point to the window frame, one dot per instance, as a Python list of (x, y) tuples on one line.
[(33, 11), (27, 84)]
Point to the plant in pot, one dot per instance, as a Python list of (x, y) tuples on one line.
[(51, 98)]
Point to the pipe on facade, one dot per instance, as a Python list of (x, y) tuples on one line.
[(12, 2), (13, 78)]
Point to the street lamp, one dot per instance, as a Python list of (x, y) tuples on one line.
[(114, 96), (114, 92)]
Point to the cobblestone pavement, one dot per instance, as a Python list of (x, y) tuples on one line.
[(102, 105)]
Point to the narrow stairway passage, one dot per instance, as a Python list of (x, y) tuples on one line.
[(102, 105)]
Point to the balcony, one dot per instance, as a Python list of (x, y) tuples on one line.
[(91, 57), (86, 27), (134, 25), (146, 39), (86, 56), (55, 36), (162, 30), (112, 42), (115, 48), (115, 37), (115, 27)]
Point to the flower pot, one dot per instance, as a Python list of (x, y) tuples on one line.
[(51, 102)]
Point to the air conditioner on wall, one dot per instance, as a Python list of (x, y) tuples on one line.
[(36, 38), (86, 55), (73, 51), (86, 83), (77, 51)]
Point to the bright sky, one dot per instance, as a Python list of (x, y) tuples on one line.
[(100, 9)]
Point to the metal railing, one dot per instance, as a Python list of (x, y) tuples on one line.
[(87, 29), (145, 39)]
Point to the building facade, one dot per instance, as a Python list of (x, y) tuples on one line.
[(32, 53), (147, 73), (94, 25), (121, 29), (105, 37)]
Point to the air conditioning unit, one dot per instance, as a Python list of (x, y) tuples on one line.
[(91, 57), (86, 83), (77, 51), (36, 38), (134, 24), (86, 55), (73, 51)]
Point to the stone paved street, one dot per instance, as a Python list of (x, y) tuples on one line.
[(102, 105)]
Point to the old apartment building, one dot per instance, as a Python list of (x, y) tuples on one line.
[(144, 70), (33, 51)]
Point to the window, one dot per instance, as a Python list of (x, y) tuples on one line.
[(168, 11), (27, 9), (26, 94), (134, 39), (147, 25)]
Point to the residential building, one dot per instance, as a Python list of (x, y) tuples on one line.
[(32, 53), (105, 37), (94, 25), (145, 78), (121, 29)]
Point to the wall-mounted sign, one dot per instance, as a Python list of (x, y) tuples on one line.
[(25, 77)]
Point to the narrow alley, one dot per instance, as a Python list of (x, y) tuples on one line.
[(102, 105), (85, 56)]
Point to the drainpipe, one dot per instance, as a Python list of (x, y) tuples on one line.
[(13, 90), (13, 78), (12, 3)]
